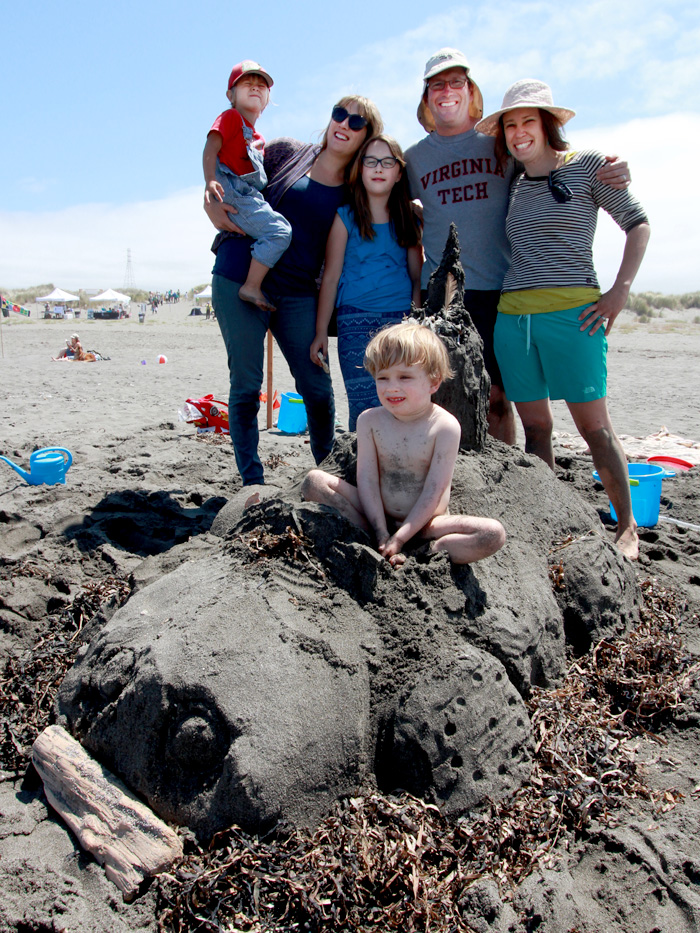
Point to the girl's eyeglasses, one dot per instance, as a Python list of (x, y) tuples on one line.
[(439, 84), (560, 192), (356, 121), (373, 162)]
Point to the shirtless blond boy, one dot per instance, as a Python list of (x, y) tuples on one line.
[(406, 453)]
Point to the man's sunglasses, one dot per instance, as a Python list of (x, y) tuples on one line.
[(439, 84), (356, 121), (560, 192)]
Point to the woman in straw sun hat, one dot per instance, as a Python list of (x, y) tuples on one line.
[(553, 320)]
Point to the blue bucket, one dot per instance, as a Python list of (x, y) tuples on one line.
[(292, 416), (646, 496)]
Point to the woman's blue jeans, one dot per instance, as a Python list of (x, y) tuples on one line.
[(293, 325)]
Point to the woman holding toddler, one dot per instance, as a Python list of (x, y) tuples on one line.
[(307, 185)]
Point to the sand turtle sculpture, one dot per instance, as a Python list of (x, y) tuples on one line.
[(293, 665)]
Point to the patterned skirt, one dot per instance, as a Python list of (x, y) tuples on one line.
[(355, 330)]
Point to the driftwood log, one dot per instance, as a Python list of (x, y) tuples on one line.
[(114, 826)]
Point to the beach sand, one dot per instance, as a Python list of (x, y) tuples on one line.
[(142, 481)]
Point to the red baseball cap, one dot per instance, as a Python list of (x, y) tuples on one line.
[(247, 68)]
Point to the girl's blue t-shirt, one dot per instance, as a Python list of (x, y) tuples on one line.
[(310, 208), (375, 272)]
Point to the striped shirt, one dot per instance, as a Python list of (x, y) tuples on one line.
[(551, 243)]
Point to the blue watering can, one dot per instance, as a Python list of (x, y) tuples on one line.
[(48, 465)]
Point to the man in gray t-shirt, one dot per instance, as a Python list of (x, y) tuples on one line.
[(455, 175)]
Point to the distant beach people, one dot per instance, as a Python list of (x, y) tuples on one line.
[(73, 350), (372, 268), (234, 174), (406, 454), (307, 184), (68, 352), (553, 320)]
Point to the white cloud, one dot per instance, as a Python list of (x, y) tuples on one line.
[(86, 246), (32, 185), (662, 181), (613, 61)]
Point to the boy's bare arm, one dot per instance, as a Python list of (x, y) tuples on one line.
[(211, 151), (368, 478), (436, 489)]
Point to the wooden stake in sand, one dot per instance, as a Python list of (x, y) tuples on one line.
[(116, 828), (269, 379)]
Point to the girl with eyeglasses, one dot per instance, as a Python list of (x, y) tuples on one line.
[(306, 184), (373, 265), (553, 320)]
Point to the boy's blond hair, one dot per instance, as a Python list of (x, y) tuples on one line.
[(408, 343)]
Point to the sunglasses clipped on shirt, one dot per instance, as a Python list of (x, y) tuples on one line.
[(560, 191), (356, 121)]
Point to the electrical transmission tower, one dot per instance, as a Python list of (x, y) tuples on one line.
[(129, 273)]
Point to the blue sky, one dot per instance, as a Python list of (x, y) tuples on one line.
[(105, 109)]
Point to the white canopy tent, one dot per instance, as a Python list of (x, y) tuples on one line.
[(205, 293), (58, 295), (111, 295)]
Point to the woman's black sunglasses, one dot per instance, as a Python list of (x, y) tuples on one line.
[(356, 121), (560, 192)]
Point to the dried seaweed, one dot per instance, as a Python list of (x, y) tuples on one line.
[(378, 863), (395, 863), (211, 437), (292, 544), (29, 681), (648, 674), (274, 461)]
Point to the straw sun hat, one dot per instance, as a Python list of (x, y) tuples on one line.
[(526, 93)]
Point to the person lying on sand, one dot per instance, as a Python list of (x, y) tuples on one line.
[(68, 352), (406, 453), (83, 356), (74, 351)]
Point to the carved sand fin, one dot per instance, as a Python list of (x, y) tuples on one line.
[(449, 271), (466, 395)]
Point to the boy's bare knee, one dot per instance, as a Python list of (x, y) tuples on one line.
[(493, 536), (312, 485)]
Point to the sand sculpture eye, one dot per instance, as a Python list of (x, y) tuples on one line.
[(198, 739)]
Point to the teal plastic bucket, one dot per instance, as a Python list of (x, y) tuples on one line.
[(292, 416), (646, 496)]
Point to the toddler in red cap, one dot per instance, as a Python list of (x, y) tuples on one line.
[(234, 175)]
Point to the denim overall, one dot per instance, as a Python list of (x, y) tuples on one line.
[(270, 230)]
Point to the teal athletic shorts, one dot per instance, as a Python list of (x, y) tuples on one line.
[(548, 356)]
